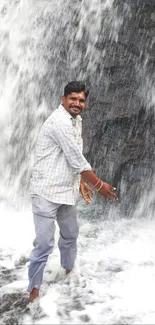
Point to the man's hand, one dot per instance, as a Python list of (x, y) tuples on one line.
[(86, 191), (104, 189), (107, 191)]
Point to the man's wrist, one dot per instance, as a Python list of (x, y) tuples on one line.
[(98, 185), (91, 177)]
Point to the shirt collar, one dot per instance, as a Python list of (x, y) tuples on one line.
[(78, 117)]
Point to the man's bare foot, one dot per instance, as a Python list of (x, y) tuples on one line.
[(68, 271), (34, 294)]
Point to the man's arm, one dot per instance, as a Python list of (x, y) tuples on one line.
[(63, 135), (104, 189)]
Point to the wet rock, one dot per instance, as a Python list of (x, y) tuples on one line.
[(125, 320), (12, 307), (13, 300), (119, 127), (7, 276), (115, 269), (22, 261), (77, 305), (10, 319), (85, 318)]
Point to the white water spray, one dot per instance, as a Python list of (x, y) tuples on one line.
[(40, 50)]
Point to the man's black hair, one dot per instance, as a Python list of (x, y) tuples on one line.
[(75, 87)]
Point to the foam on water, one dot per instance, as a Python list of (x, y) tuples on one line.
[(113, 280)]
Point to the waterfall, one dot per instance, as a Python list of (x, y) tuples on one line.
[(44, 44), (110, 45)]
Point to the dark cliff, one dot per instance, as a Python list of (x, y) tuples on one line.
[(119, 126)]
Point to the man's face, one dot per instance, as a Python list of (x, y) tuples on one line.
[(74, 103)]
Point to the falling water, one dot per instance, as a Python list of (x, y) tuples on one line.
[(41, 49), (43, 45)]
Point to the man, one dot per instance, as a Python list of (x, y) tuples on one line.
[(59, 171)]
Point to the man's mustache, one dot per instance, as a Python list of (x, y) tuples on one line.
[(74, 106)]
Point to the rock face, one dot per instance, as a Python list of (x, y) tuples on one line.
[(119, 126)]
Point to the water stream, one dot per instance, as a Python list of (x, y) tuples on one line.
[(43, 45)]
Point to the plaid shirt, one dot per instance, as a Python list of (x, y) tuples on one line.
[(59, 159)]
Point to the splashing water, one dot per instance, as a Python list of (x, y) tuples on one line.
[(43, 45)]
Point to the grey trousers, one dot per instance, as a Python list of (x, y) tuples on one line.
[(45, 213)]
